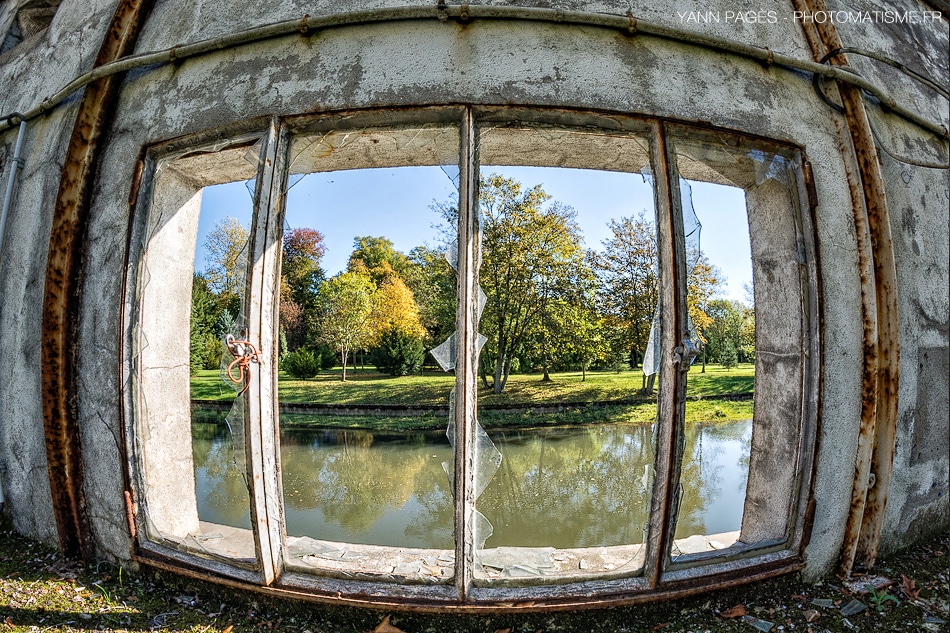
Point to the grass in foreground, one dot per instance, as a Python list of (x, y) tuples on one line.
[(39, 591)]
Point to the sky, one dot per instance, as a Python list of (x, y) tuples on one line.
[(396, 202)]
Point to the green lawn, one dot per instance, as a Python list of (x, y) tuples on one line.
[(527, 390)]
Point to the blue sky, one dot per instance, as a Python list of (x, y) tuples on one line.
[(395, 203)]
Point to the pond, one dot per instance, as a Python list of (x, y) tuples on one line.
[(563, 487)]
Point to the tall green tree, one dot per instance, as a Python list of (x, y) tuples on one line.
[(433, 284), (529, 252), (226, 257), (731, 333), (378, 257), (629, 285), (344, 317), (205, 346), (300, 279), (300, 268)]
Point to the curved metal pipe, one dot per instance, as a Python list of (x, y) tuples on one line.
[(8, 196), (465, 13)]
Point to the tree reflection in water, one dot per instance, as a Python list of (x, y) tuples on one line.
[(566, 487), (714, 475)]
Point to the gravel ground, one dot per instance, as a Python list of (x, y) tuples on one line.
[(40, 591)]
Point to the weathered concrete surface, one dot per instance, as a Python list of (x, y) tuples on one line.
[(424, 63)]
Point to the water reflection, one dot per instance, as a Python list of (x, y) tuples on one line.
[(566, 487), (714, 476)]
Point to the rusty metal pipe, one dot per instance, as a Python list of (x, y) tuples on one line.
[(881, 338), (61, 302), (626, 24)]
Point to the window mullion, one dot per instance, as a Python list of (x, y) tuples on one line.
[(467, 353), (263, 289), (672, 376)]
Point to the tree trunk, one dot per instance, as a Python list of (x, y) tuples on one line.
[(497, 386), (704, 360), (343, 355), (483, 373)]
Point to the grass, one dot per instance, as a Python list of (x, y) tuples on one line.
[(41, 591), (596, 398), (431, 388)]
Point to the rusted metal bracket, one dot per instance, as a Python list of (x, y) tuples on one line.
[(881, 345), (61, 304)]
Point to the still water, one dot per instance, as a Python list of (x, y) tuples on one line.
[(565, 487)]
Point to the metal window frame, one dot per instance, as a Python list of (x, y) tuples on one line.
[(661, 577)]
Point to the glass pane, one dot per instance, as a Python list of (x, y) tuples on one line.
[(197, 243), (368, 294), (569, 268), (733, 492)]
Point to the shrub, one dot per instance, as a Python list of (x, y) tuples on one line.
[(729, 358), (302, 364), (399, 353), (328, 356)]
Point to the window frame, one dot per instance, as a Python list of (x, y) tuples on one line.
[(661, 574)]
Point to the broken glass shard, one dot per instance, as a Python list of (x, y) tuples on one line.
[(487, 459), (852, 608), (445, 354), (482, 302), (452, 254), (651, 355)]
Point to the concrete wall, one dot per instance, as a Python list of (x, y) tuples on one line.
[(428, 62)]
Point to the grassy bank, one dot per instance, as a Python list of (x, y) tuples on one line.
[(524, 391), (699, 411)]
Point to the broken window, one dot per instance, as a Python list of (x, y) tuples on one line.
[(569, 269), (493, 352), (193, 392), (367, 289), (758, 333)]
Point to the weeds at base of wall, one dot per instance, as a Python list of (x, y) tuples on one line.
[(40, 591)]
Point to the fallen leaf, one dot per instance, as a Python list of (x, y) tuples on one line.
[(662, 626), (735, 612), (799, 597), (910, 588), (229, 629), (508, 630), (386, 627)]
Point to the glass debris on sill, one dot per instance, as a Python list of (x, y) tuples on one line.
[(373, 561)]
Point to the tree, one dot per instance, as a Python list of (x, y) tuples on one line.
[(378, 258), (300, 265), (629, 285), (399, 353), (433, 284), (346, 304), (528, 254), (731, 334), (300, 279), (226, 254), (205, 345), (702, 284)]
